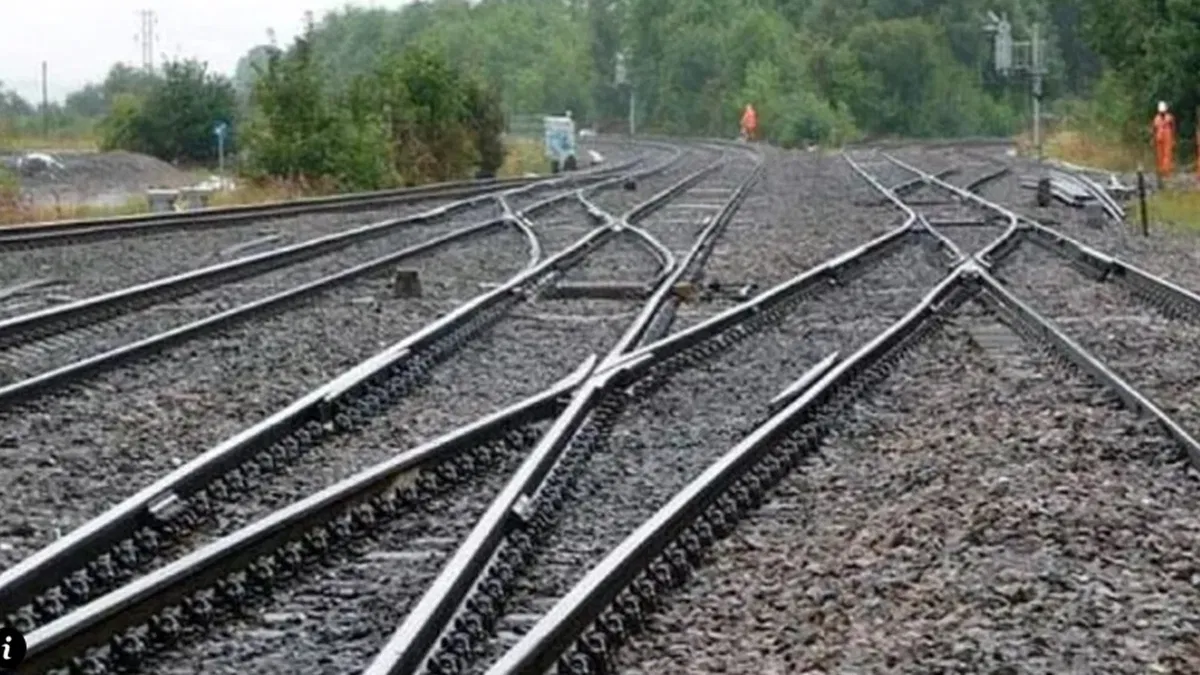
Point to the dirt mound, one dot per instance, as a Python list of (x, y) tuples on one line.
[(101, 178)]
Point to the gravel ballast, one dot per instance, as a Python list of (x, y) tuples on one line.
[(1156, 355), (88, 269), (980, 512), (71, 454), (661, 443), (617, 201), (805, 209), (62, 349)]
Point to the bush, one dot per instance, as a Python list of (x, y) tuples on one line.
[(414, 119), (176, 118)]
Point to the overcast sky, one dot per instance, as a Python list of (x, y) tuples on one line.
[(80, 39)]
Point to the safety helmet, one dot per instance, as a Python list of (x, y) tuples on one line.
[(1162, 106)]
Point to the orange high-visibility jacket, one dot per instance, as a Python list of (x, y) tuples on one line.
[(1164, 141), (749, 120)]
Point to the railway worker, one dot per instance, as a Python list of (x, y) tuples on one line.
[(749, 123), (1164, 142)]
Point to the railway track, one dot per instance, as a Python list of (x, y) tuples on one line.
[(36, 340), (617, 595), (982, 510), (569, 520), (502, 300), (216, 400)]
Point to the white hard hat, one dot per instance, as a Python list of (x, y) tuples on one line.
[(1162, 106)]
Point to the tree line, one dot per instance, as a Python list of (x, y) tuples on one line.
[(370, 97)]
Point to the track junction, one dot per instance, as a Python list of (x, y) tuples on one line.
[(766, 411)]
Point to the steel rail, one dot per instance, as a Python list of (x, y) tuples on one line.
[(19, 391), (827, 273), (911, 185), (1014, 220), (18, 330), (647, 546), (694, 516), (1165, 294), (329, 408), (131, 605), (657, 315), (24, 390), (155, 505), (26, 235), (414, 639), (1045, 330), (890, 195), (326, 404), (61, 232)]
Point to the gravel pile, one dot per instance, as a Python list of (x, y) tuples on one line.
[(802, 212), (108, 177), (1155, 354), (662, 443), (72, 454), (84, 270), (335, 622), (981, 512), (63, 349)]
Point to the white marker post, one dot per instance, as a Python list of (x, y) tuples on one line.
[(220, 130)]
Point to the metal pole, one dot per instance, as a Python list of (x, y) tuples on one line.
[(632, 111), (1036, 57), (45, 104), (221, 159), (1142, 202)]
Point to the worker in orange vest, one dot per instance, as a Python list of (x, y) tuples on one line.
[(1164, 142), (749, 123)]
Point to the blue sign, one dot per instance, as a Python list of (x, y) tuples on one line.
[(220, 129)]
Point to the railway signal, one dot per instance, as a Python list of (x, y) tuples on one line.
[(1005, 54)]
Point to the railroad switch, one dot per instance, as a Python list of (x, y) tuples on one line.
[(406, 284), (715, 289)]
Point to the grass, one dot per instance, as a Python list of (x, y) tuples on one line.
[(64, 140), (1176, 209), (1078, 148), (523, 156)]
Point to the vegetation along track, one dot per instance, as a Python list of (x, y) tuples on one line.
[(455, 392)]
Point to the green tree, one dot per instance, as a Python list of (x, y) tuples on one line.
[(176, 118), (298, 133)]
